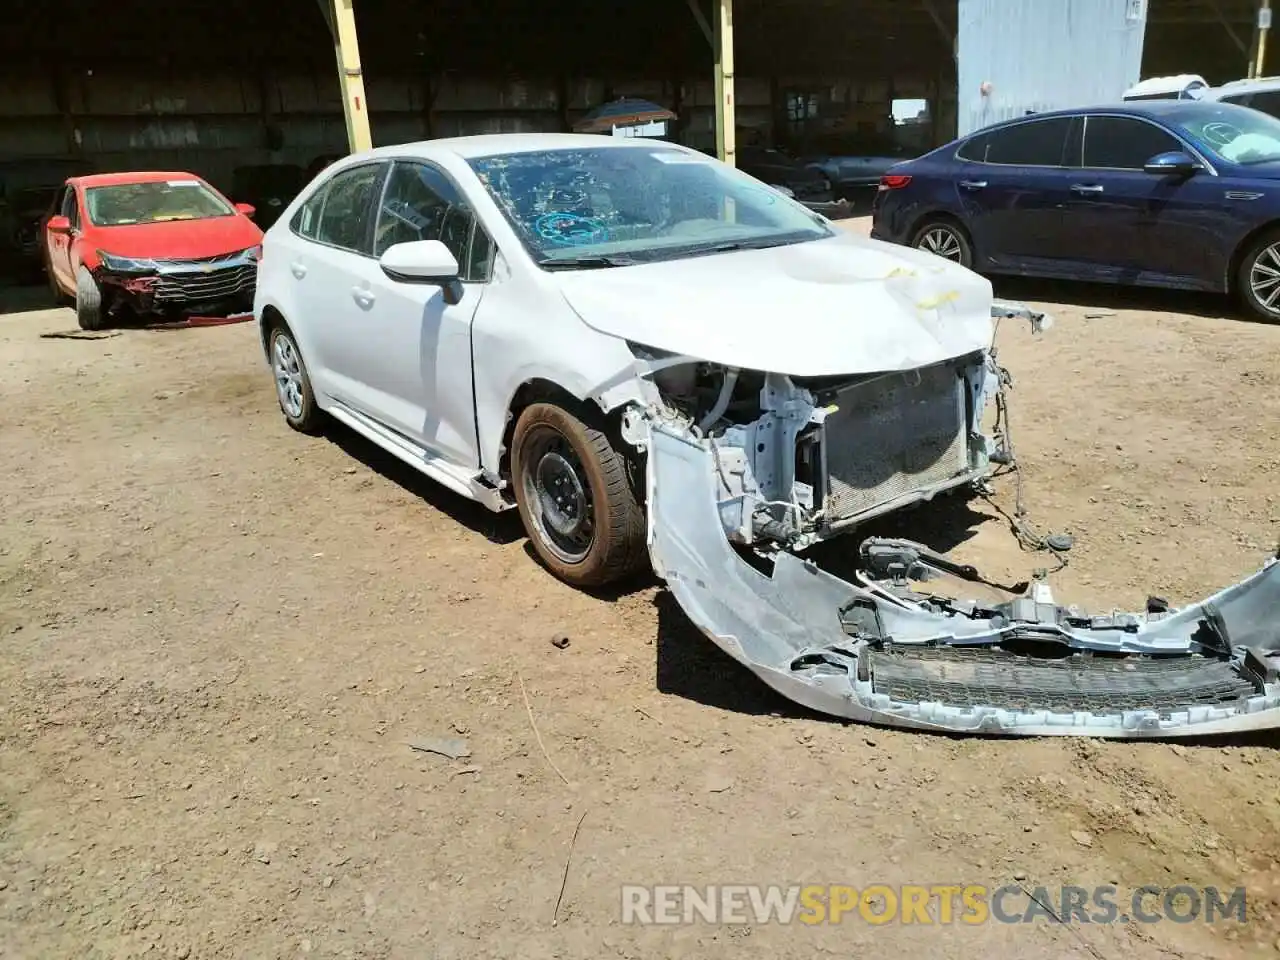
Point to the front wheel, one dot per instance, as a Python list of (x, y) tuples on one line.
[(945, 239), (575, 497), (1258, 282), (89, 313)]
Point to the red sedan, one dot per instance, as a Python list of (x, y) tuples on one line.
[(162, 245)]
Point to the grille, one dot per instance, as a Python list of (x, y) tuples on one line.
[(219, 283), (1098, 685), (893, 436)]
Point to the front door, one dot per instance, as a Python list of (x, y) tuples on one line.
[(425, 342), (61, 268), (1145, 228)]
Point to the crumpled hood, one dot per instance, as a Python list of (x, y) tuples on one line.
[(846, 305)]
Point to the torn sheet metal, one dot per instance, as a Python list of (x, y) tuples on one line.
[(1028, 668)]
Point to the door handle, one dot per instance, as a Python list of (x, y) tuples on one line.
[(362, 296), (973, 184), (1086, 189), (298, 269)]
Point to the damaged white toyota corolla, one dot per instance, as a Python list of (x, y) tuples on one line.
[(656, 358)]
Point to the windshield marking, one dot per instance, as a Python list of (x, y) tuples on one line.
[(570, 229)]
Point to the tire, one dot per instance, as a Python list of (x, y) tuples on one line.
[(88, 301), (293, 383), (1255, 285), (597, 534), (946, 239)]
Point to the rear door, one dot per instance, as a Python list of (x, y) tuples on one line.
[(328, 260), (1143, 228), (1011, 189)]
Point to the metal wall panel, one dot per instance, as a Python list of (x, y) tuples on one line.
[(1044, 55)]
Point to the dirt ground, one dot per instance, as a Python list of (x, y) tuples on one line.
[(218, 638)]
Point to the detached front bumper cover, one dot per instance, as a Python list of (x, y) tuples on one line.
[(1028, 667)]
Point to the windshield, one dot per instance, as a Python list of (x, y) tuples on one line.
[(638, 204), (129, 203), (1235, 134)]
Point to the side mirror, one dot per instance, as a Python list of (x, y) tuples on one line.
[(424, 261), (248, 209), (1175, 163), (59, 224)]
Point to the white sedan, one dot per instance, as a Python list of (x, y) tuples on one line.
[(485, 308), (656, 358)]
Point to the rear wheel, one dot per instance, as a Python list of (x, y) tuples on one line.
[(1258, 281), (293, 384), (88, 301), (575, 497), (946, 239)]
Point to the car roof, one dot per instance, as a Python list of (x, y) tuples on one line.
[(1155, 109), (487, 145), (117, 179)]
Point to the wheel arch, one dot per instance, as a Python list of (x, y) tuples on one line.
[(540, 389), (272, 318), (943, 216), (1236, 261)]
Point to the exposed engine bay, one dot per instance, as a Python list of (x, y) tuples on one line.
[(778, 464), (800, 460)]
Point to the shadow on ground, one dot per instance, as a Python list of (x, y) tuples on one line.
[(690, 666), (499, 528), (1103, 297), (23, 298)]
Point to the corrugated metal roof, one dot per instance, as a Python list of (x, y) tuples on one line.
[(1044, 55)]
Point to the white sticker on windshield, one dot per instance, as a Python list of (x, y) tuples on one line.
[(675, 156), (181, 183)]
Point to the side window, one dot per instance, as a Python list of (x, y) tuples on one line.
[(350, 201), (1033, 143), (975, 148), (70, 209), (479, 265), (1123, 143), (1268, 102), (421, 203), (1239, 99), (307, 218)]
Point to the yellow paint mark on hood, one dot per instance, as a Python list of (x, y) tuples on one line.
[(934, 302)]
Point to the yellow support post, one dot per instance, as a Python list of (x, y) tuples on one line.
[(1264, 27), (726, 116), (342, 24)]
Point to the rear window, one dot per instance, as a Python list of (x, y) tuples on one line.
[(975, 148), (1032, 143)]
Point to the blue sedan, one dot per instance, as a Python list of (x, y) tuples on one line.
[(1174, 193)]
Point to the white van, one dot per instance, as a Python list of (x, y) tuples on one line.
[(1186, 86)]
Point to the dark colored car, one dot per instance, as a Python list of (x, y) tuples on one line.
[(1167, 193), (268, 188), (782, 170), (855, 165), (28, 187)]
